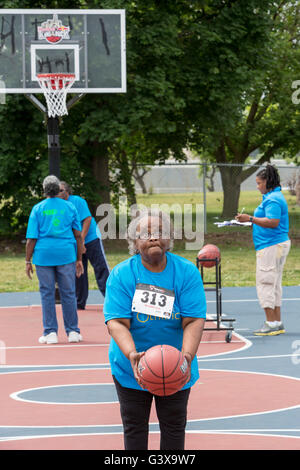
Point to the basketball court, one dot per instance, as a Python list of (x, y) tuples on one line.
[(63, 397)]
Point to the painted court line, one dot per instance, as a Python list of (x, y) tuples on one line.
[(292, 299), (253, 300), (268, 433), (15, 395), (274, 356), (92, 345), (241, 432), (28, 369), (56, 346), (21, 438)]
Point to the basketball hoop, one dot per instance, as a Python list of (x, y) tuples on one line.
[(55, 87)]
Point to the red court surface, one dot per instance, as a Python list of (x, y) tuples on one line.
[(94, 423), (193, 442)]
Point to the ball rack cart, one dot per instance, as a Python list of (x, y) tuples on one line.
[(217, 319)]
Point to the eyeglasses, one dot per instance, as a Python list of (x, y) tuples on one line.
[(156, 235)]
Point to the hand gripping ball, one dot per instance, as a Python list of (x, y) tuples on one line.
[(163, 370)]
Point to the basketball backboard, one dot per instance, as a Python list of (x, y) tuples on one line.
[(89, 43)]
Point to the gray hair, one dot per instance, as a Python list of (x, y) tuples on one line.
[(51, 186), (67, 187), (167, 226)]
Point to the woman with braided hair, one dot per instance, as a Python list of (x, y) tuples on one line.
[(270, 223)]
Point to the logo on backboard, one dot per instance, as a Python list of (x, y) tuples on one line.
[(53, 30)]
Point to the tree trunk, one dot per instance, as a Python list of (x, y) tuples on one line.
[(231, 182), (101, 172), (126, 177), (297, 190), (210, 177), (233, 176), (140, 180)]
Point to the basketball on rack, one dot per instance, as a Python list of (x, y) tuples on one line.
[(211, 253), (163, 370)]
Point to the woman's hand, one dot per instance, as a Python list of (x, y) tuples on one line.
[(29, 270), (79, 268), (134, 358), (242, 217)]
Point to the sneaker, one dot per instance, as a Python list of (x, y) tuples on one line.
[(51, 338), (267, 330), (74, 337), (281, 328)]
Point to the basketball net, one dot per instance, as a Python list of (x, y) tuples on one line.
[(55, 88)]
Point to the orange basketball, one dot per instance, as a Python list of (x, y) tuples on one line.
[(163, 370), (211, 253)]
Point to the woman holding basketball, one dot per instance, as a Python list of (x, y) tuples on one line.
[(272, 244), (134, 328)]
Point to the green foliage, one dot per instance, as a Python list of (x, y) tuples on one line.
[(20, 161), (196, 72)]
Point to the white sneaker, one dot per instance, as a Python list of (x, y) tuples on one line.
[(74, 337), (51, 338)]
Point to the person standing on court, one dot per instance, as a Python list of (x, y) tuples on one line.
[(272, 244), (54, 240), (93, 247), (134, 331)]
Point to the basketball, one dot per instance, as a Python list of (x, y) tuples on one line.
[(210, 252), (163, 370)]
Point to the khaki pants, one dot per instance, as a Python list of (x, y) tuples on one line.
[(269, 268)]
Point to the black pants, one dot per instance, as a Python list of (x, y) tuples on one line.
[(135, 406), (96, 256)]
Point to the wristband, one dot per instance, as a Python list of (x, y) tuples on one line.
[(28, 262), (188, 354)]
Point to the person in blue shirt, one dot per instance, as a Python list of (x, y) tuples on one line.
[(272, 244), (93, 247), (134, 327), (54, 241)]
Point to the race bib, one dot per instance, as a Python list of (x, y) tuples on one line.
[(153, 300)]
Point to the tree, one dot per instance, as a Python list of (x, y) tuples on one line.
[(23, 147), (142, 126), (260, 115), (191, 71), (103, 134)]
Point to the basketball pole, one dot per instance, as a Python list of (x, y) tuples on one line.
[(53, 139), (53, 146), (52, 136)]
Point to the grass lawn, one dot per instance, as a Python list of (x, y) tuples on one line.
[(238, 269), (249, 200), (237, 251)]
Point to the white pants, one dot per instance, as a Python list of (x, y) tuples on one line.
[(269, 268)]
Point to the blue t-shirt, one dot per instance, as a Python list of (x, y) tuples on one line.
[(273, 206), (84, 212), (51, 222), (179, 275)]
